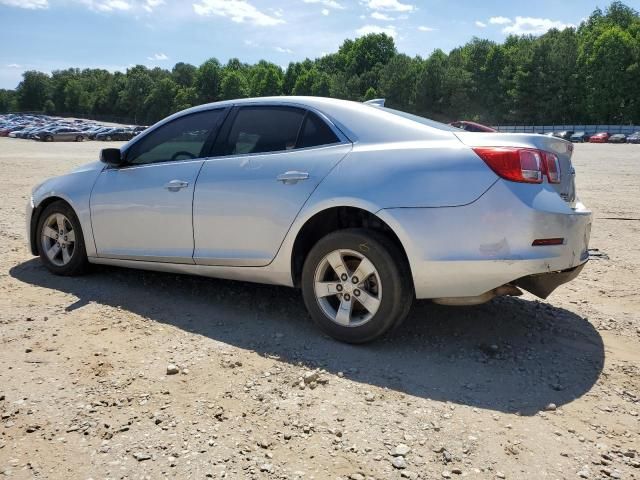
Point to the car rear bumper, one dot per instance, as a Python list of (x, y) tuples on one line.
[(469, 250)]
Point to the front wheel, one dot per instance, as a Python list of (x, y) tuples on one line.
[(356, 285), (60, 240)]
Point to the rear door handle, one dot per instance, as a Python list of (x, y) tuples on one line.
[(289, 178), (176, 185)]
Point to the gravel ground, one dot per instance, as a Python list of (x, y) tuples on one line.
[(130, 374)]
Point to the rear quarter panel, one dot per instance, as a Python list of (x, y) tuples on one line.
[(436, 173)]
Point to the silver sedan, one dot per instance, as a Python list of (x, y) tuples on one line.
[(363, 207)]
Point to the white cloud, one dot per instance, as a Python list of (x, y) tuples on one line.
[(389, 5), (283, 50), (366, 29), (382, 16), (480, 24), (534, 26), (149, 5), (108, 5), (499, 20), (424, 28), (327, 3), (158, 56), (29, 4), (14, 65), (325, 11), (238, 11)]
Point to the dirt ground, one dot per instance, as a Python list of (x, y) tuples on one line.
[(515, 389)]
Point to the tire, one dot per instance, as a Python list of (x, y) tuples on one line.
[(108, 139), (79, 138), (390, 285), (77, 262), (48, 138)]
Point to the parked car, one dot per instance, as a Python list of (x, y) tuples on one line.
[(565, 134), (601, 137), (97, 130), (286, 195), (471, 126), (579, 137), (61, 134), (115, 134), (29, 126), (618, 138), (139, 129), (634, 138)]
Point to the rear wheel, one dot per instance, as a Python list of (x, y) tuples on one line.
[(108, 139), (79, 138), (48, 138), (60, 240), (356, 285)]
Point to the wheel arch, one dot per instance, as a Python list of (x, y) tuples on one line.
[(333, 219), (35, 218)]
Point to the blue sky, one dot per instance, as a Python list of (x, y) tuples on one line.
[(114, 34)]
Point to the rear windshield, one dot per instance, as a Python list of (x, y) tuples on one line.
[(422, 120)]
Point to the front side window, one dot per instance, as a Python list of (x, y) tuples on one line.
[(181, 139), (264, 129)]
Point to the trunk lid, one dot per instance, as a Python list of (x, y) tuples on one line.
[(562, 148)]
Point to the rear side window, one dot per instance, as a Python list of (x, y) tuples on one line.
[(264, 129), (315, 132)]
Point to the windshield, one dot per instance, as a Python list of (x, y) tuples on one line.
[(422, 120)]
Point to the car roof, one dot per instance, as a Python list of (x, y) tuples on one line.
[(359, 122)]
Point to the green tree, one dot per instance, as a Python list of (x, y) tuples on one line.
[(266, 80), (184, 74), (186, 97), (160, 101), (33, 90), (234, 85), (398, 80), (370, 94), (207, 81), (7, 100)]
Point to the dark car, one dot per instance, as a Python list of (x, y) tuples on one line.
[(618, 138), (634, 138), (580, 137), (565, 135), (115, 134), (472, 126)]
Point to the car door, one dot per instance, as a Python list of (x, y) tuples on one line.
[(143, 210), (269, 160)]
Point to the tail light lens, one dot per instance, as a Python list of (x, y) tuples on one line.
[(552, 167), (524, 165)]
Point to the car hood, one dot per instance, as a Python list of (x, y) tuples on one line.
[(89, 170)]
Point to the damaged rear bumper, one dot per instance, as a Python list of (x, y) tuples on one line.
[(543, 284)]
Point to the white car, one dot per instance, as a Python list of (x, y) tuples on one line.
[(363, 207)]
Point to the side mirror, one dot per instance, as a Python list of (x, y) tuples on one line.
[(112, 157)]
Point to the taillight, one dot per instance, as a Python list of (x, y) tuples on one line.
[(524, 165), (552, 167)]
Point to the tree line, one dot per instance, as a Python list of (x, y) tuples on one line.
[(588, 74)]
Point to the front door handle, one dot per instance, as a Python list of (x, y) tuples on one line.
[(176, 185), (292, 177)]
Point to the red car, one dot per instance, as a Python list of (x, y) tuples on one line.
[(602, 137), (471, 126)]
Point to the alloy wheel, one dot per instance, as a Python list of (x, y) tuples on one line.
[(347, 288), (58, 239)]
